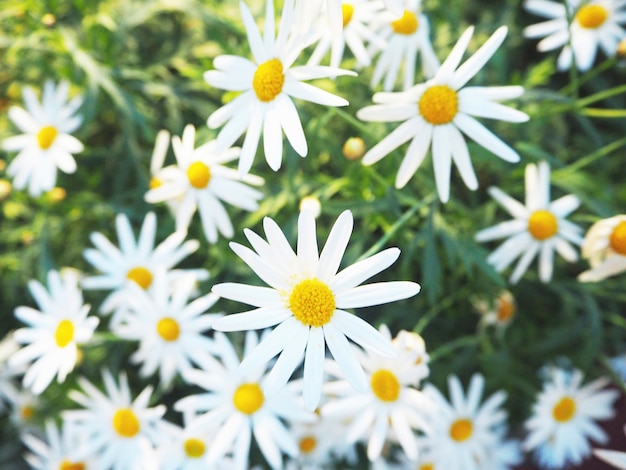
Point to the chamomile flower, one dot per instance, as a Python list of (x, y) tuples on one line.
[(463, 430), (605, 248), (437, 112), (564, 418), (613, 457), (320, 444), (406, 37), (267, 85), (498, 312), (354, 33), (538, 227), (390, 405), (56, 452), (168, 327), (200, 182), (594, 25), (307, 301), (135, 260), (238, 406), (117, 431), (53, 332), (46, 143)]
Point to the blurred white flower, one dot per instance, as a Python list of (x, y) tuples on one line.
[(56, 452), (605, 248)]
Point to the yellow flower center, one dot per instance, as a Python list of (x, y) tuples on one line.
[(125, 422), (385, 385), (347, 11), (141, 276), (168, 329), (564, 410), (506, 309), (307, 444), (461, 430), (248, 398), (67, 465), (64, 333), (617, 240), (27, 412), (427, 466), (199, 175), (406, 24), (312, 302), (439, 104), (268, 80), (591, 16), (542, 224), (46, 136), (194, 448), (155, 183)]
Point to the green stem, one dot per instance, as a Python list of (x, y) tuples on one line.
[(592, 157), (451, 346), (601, 95)]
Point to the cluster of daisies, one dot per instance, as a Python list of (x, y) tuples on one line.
[(309, 380)]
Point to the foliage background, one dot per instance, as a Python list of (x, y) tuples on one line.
[(139, 65)]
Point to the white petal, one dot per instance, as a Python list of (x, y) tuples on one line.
[(362, 333), (484, 137), (354, 275), (335, 247)]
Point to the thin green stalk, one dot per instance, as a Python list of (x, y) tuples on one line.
[(592, 157), (451, 346)]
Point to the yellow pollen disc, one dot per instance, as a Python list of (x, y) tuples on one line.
[(155, 183), (67, 465), (542, 224), (385, 385), (347, 11), (506, 310), (168, 329), (199, 175), (268, 80), (27, 412), (461, 430), (439, 104), (307, 444), (617, 239), (248, 398), (407, 24), (564, 410), (194, 448), (427, 466), (591, 16), (312, 302), (46, 136), (64, 333), (141, 276), (125, 422)]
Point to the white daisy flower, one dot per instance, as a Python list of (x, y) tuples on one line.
[(238, 406), (169, 327), (605, 248), (46, 143), (354, 33), (390, 404), (406, 38), (53, 332), (200, 182), (613, 457), (538, 227), (56, 452), (463, 430), (438, 112), (564, 419), (595, 25), (117, 432), (135, 261), (498, 312), (268, 83), (307, 301), (24, 410), (157, 161), (412, 353)]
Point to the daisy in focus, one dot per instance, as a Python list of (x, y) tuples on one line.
[(595, 25), (404, 38), (200, 181), (55, 452), (46, 143), (306, 303), (437, 113), (267, 85), (563, 422), (236, 407), (605, 248), (391, 405), (168, 327), (53, 332), (613, 457), (464, 431), (538, 228), (116, 431), (135, 261)]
